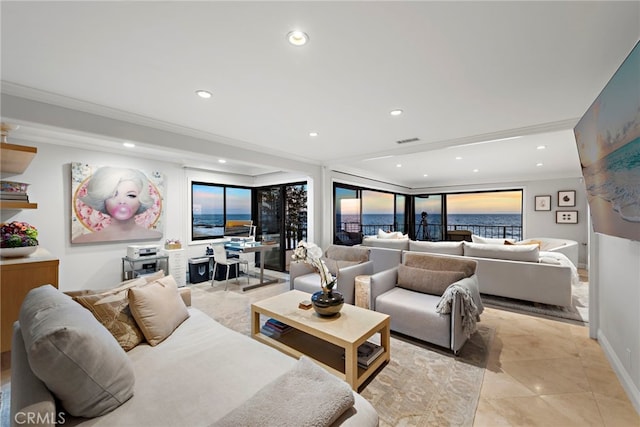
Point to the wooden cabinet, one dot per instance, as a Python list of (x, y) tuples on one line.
[(17, 277), (14, 159)]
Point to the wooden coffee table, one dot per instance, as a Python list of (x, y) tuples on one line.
[(332, 342)]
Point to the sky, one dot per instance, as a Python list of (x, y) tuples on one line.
[(501, 202), (208, 199)]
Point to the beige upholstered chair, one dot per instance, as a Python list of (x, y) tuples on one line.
[(411, 292), (348, 261)]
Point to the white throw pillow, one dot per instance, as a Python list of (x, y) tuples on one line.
[(528, 253), (490, 240)]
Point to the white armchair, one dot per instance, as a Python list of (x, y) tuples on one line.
[(345, 262)]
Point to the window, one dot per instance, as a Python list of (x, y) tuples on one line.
[(487, 214), (361, 212), (213, 204)]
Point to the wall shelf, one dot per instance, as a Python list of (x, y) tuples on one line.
[(16, 158), (10, 204)]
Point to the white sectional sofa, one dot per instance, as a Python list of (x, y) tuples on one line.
[(202, 374), (539, 272)]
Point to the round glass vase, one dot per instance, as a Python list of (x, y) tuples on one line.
[(327, 303)]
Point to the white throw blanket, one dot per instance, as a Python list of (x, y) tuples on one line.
[(307, 395), (470, 314)]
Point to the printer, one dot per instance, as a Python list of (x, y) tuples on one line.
[(142, 251)]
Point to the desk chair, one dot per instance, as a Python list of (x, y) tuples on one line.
[(220, 257)]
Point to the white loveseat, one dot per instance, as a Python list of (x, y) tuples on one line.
[(542, 272), (195, 377)]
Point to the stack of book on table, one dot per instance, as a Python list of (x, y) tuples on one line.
[(14, 191), (275, 328), (368, 352)]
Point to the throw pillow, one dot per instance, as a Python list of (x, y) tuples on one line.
[(440, 263), (391, 235), (445, 248), (427, 281), (348, 253), (73, 354), (112, 310), (527, 253), (490, 240), (524, 242), (158, 309)]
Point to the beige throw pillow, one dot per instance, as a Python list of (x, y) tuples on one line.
[(112, 310), (73, 354), (427, 281), (158, 309)]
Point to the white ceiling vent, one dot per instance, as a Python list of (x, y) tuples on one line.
[(405, 141)]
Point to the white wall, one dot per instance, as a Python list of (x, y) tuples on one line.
[(618, 283), (94, 266)]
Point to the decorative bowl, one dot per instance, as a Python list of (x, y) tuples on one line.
[(20, 251), (13, 187)]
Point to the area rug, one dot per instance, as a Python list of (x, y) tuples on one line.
[(422, 385), (578, 310)]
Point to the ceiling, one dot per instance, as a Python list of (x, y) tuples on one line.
[(463, 73)]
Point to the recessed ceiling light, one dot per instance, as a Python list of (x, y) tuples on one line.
[(313, 133), (297, 38), (395, 112), (222, 161), (398, 165), (476, 170), (458, 158), (539, 164), (541, 147), (203, 94), (425, 175), (129, 144)]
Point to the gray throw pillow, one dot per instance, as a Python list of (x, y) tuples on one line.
[(73, 354), (427, 281)]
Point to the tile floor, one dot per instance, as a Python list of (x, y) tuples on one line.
[(545, 372)]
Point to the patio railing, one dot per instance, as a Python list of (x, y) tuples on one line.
[(435, 232)]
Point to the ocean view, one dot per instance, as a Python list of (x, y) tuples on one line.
[(487, 225), (212, 225)]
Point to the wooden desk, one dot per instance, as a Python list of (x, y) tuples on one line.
[(17, 277)]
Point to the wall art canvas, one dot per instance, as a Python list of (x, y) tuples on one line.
[(111, 204), (608, 140)]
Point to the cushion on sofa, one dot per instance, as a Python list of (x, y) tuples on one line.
[(348, 253), (111, 308), (158, 309), (528, 253), (334, 265), (490, 240), (391, 235), (445, 248), (440, 263), (73, 354), (372, 241), (524, 242), (431, 282)]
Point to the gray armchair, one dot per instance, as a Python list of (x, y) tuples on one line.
[(346, 262), (410, 293)]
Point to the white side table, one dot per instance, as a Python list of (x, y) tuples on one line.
[(363, 288)]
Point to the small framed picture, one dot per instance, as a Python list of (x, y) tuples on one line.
[(543, 203), (567, 198), (566, 217)]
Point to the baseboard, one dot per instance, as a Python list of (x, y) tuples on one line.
[(632, 391)]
